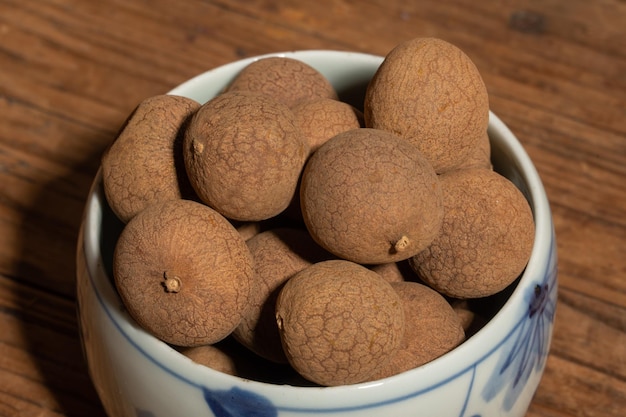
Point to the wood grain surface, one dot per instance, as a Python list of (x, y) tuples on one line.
[(71, 71)]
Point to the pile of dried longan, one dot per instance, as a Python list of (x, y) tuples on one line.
[(339, 242)]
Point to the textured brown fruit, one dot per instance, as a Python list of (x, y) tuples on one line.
[(287, 80), (471, 320), (480, 157), (486, 238), (432, 328), (183, 272), (244, 154), (321, 119), (370, 197), (429, 92), (144, 165), (278, 254), (339, 322), (395, 271), (212, 357), (248, 230)]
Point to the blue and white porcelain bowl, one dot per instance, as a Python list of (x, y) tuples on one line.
[(495, 372)]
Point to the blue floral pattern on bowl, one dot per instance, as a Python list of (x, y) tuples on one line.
[(527, 348), (238, 403)]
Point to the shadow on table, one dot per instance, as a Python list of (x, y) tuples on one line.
[(47, 273)]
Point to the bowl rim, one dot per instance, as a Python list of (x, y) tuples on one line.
[(446, 367)]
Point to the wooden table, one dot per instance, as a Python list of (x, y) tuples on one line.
[(71, 71)]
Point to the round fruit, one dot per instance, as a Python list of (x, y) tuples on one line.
[(144, 165), (244, 155), (183, 272), (371, 197), (212, 357), (287, 80), (278, 254), (321, 119), (432, 328), (339, 322), (486, 238), (429, 92)]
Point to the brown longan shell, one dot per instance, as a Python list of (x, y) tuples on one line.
[(287, 80), (244, 154), (390, 271), (183, 272), (278, 254), (366, 192), (321, 119), (471, 320), (429, 92), (212, 357), (339, 322), (144, 164), (486, 237), (432, 328), (479, 157), (395, 271)]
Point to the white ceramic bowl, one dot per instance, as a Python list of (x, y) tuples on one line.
[(495, 372)]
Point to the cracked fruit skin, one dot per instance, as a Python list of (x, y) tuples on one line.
[(321, 119), (287, 80), (429, 92), (244, 153), (144, 165), (370, 197), (339, 322), (183, 272), (278, 254), (432, 328), (486, 238)]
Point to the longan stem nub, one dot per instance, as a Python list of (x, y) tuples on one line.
[(198, 147), (171, 284), (401, 244)]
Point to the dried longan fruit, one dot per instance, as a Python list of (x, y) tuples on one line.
[(278, 254), (429, 92), (486, 238), (463, 311), (183, 272), (371, 197), (480, 157), (252, 367), (389, 271), (212, 357), (395, 271), (244, 155), (287, 80), (321, 119), (248, 230), (230, 357), (339, 322), (144, 164), (432, 328), (471, 320)]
